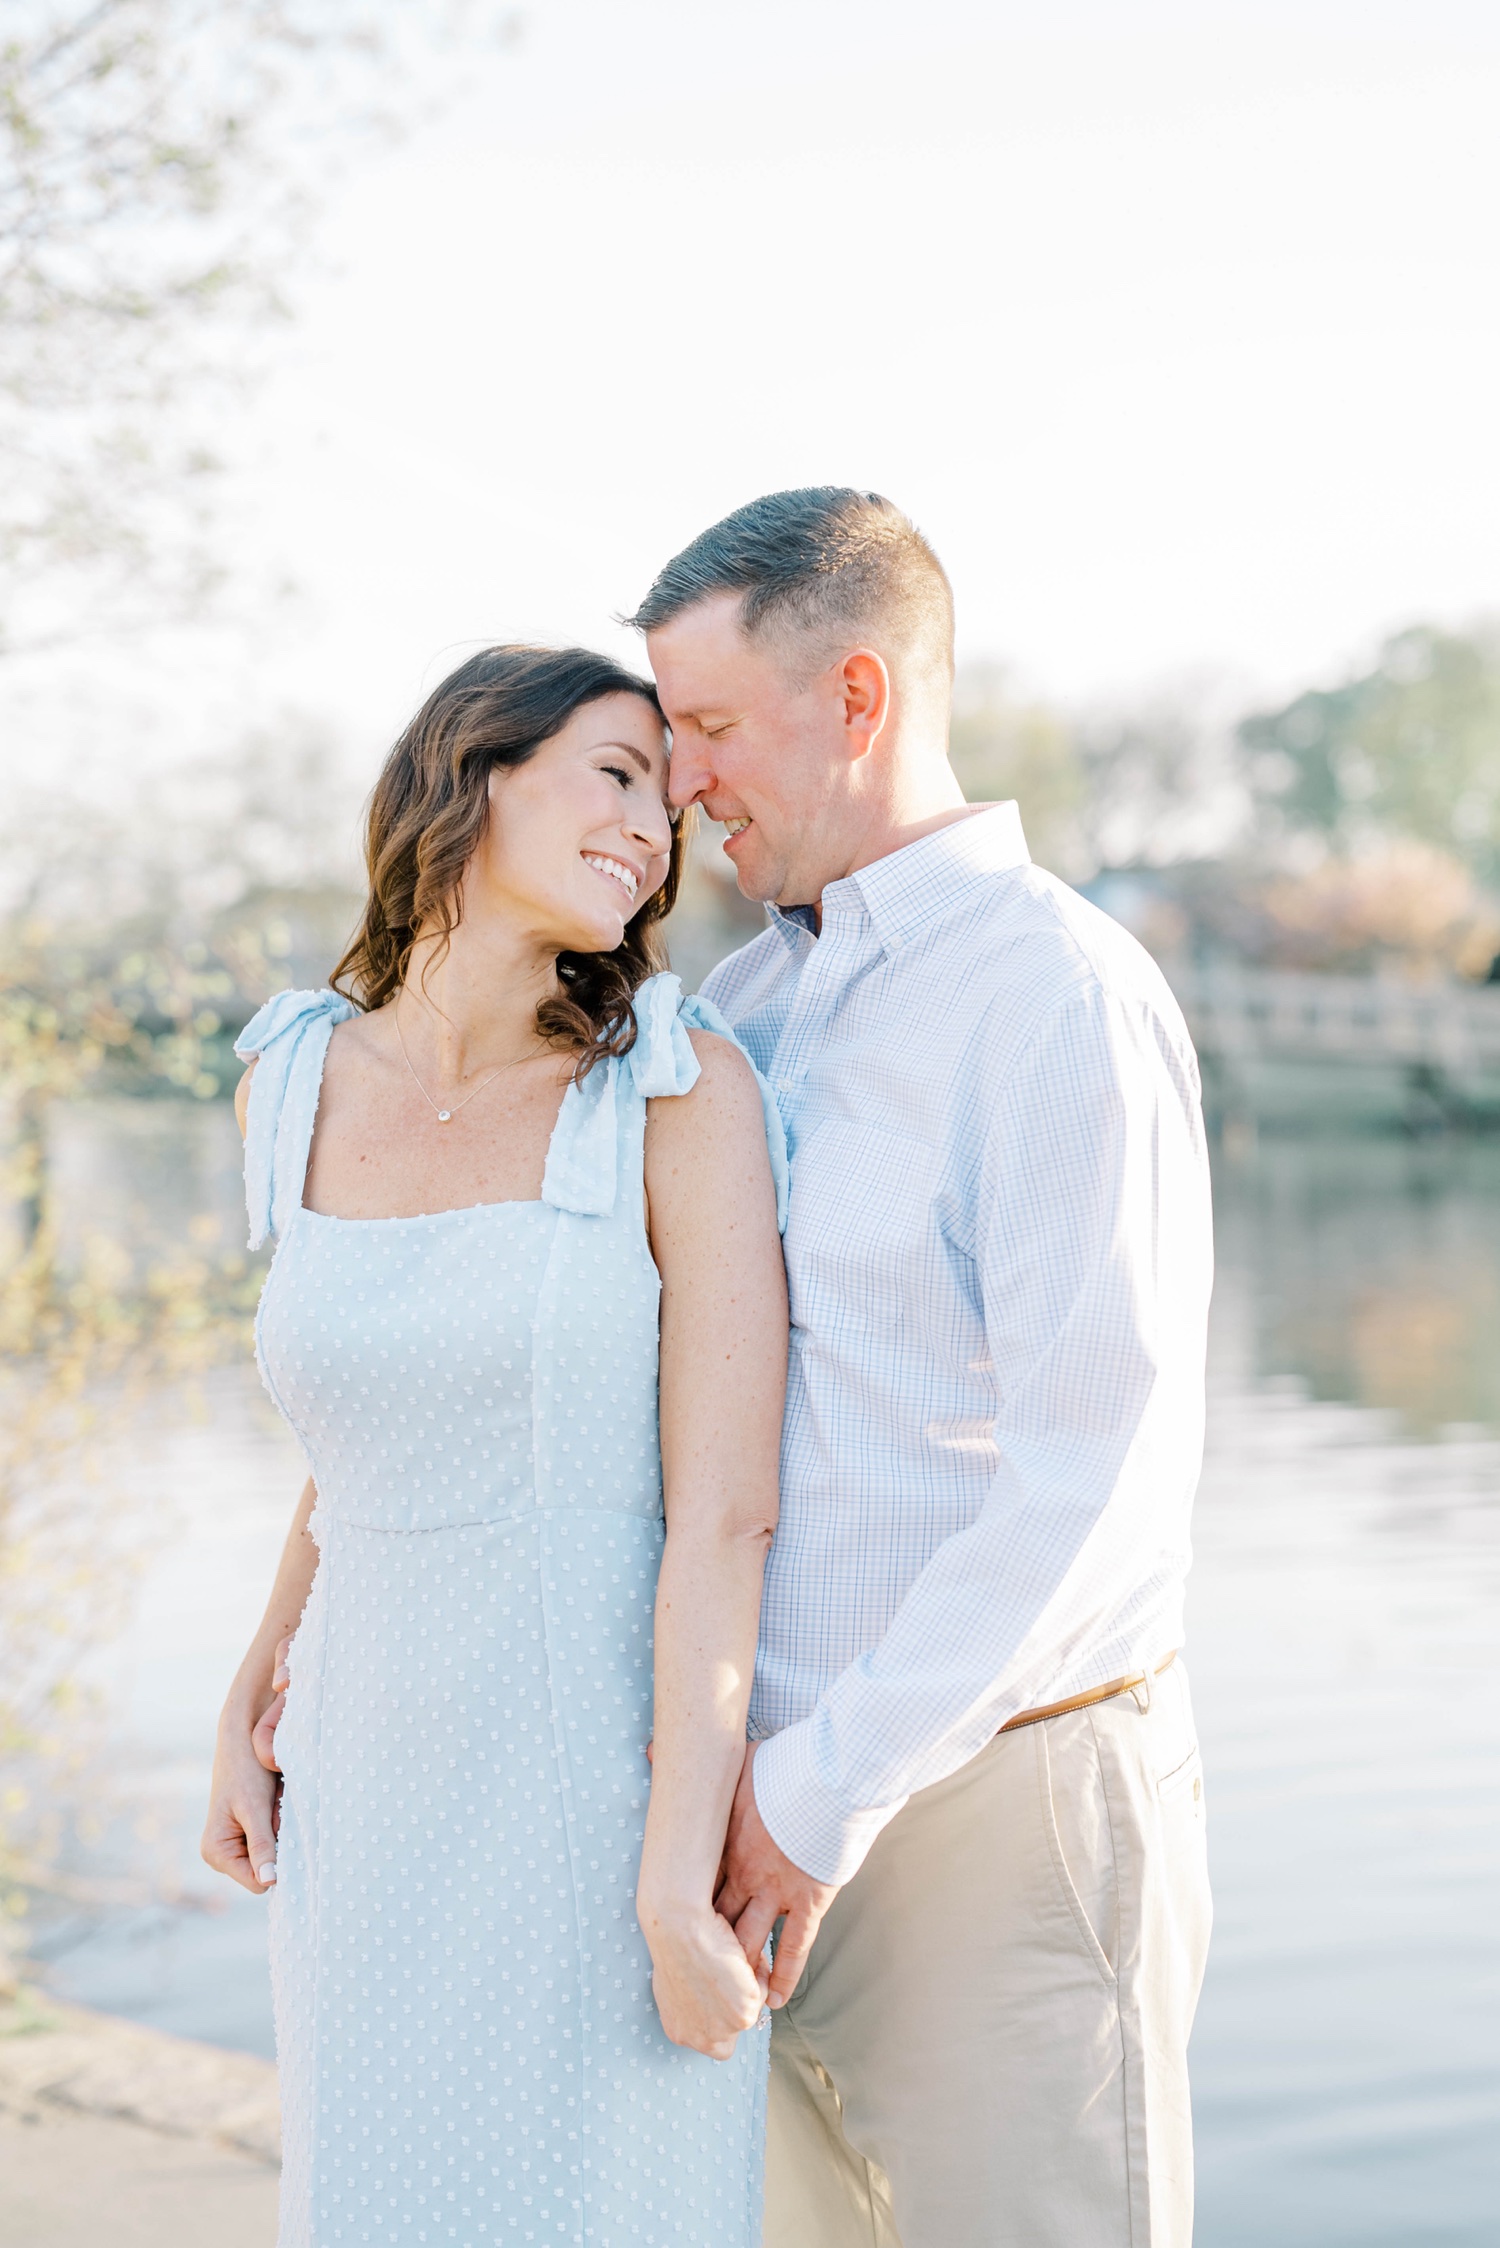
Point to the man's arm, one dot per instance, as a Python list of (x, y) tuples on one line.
[(1093, 1245)]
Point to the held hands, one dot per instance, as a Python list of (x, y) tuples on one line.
[(705, 1990), (760, 1885)]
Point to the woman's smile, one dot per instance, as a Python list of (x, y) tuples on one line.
[(614, 870)]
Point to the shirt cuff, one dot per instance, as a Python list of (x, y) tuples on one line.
[(808, 1820)]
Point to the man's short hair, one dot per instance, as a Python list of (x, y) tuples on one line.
[(818, 568)]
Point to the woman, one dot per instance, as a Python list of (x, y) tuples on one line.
[(484, 1172)]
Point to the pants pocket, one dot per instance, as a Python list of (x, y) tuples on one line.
[(1179, 1775), (1184, 1783), (1075, 1819)]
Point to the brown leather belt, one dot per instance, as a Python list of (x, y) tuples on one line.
[(1095, 1694)]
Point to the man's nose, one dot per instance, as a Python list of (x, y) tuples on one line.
[(689, 774)]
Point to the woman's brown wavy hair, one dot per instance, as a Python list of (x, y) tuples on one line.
[(430, 808)]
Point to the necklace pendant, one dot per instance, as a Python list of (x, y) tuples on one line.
[(445, 1115)]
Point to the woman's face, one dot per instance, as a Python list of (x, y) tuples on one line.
[(579, 836)]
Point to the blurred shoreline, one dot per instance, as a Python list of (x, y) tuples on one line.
[(93, 2063), (111, 2130)]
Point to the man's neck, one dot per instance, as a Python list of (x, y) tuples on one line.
[(905, 816)]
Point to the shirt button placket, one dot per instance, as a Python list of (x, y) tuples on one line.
[(829, 964)]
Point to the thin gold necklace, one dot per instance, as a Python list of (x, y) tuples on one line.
[(446, 1115)]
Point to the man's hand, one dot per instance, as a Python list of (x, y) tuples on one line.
[(263, 1739), (760, 1885)]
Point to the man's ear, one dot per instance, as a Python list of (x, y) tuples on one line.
[(866, 687)]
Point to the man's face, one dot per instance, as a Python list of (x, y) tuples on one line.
[(755, 749)]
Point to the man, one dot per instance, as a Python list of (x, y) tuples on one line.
[(973, 1796)]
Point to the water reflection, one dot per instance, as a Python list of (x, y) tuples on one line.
[(1343, 1658), (1374, 1268)]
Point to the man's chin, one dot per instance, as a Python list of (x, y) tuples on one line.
[(761, 884), (762, 879)]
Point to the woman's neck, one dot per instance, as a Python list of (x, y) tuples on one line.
[(472, 1006)]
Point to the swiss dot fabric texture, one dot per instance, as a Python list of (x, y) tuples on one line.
[(468, 2046)]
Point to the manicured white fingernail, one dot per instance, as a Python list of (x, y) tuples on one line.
[(267, 1872)]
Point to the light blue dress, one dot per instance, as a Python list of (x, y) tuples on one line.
[(468, 2046)]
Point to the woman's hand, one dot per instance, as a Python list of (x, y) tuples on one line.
[(705, 1991), (243, 1810), (239, 1837)]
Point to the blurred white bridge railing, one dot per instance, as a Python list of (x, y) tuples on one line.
[(1443, 1037)]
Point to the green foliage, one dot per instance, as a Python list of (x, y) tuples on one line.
[(86, 1340), (134, 946), (1409, 749), (131, 951)]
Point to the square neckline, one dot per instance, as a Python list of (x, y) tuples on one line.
[(425, 1217)]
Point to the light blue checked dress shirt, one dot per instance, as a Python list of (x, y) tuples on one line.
[(999, 1254)]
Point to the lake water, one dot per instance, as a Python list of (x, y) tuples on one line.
[(1344, 1655)]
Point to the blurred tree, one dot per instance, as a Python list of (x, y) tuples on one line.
[(131, 950), (1159, 784), (1004, 748), (1404, 905), (134, 945), (1141, 787), (85, 1342), (158, 162), (1410, 749)]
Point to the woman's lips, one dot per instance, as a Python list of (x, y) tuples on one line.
[(614, 870)]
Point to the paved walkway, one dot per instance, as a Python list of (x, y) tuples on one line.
[(112, 2136)]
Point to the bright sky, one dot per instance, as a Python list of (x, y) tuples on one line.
[(1175, 326)]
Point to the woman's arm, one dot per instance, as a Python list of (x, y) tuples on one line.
[(723, 1380), (240, 1835)]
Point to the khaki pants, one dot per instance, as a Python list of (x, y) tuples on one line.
[(988, 2047)]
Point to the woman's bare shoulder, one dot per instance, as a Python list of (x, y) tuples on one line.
[(242, 1099), (716, 1052), (718, 1126), (357, 1037), (725, 1086)]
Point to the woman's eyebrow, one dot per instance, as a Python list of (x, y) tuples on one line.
[(629, 749)]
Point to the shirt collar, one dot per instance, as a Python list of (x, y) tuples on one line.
[(794, 924), (912, 886)]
